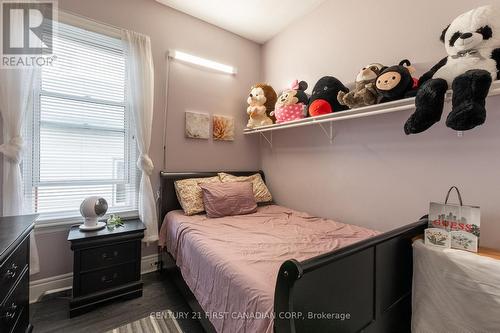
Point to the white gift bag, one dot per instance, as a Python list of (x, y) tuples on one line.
[(460, 222)]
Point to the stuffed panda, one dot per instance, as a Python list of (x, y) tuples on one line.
[(472, 42)]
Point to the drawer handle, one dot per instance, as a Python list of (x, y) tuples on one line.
[(105, 256), (105, 280), (11, 313), (12, 271)]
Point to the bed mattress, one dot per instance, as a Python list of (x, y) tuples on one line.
[(231, 263)]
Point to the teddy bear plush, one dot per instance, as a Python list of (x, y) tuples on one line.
[(291, 104), (261, 101), (324, 96), (364, 93), (396, 82), (472, 42)]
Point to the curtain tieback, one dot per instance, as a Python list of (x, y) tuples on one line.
[(145, 163), (13, 149)]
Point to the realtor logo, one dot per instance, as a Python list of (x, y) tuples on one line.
[(27, 30), (23, 25)]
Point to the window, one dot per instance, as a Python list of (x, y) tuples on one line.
[(80, 141)]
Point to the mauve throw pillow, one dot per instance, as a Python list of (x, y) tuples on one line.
[(260, 190), (227, 199)]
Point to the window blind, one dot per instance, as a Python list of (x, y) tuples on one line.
[(80, 136)]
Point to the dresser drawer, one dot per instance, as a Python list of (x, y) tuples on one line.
[(12, 267), (105, 256), (14, 309), (108, 278)]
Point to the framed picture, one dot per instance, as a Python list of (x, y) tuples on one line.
[(197, 125), (222, 128)]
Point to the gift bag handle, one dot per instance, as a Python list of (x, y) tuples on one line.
[(458, 193)]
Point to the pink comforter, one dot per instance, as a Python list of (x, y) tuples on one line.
[(231, 263)]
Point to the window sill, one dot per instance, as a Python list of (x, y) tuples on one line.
[(51, 225)]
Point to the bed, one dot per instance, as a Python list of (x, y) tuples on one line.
[(287, 271)]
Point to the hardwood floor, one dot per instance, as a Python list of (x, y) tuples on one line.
[(52, 313)]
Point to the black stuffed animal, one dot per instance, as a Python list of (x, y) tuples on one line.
[(324, 97), (472, 42), (395, 82)]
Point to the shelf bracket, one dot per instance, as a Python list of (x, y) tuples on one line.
[(327, 132), (269, 140)]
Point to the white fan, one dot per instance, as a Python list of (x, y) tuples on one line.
[(92, 208)]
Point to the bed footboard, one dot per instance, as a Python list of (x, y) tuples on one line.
[(364, 287)]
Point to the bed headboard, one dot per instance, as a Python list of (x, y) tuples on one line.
[(168, 199)]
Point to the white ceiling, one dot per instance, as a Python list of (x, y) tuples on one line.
[(257, 20)]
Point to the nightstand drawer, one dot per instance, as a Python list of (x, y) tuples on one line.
[(12, 268), (105, 256), (14, 310), (108, 278)]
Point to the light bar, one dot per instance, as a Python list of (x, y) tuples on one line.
[(182, 56)]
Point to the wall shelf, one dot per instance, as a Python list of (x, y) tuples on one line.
[(367, 111)]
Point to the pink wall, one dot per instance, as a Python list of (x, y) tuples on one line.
[(373, 174), (190, 89)]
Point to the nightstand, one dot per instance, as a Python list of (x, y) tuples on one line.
[(106, 265), (14, 272), (454, 290)]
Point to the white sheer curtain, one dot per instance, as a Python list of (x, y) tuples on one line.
[(140, 94), (16, 92)]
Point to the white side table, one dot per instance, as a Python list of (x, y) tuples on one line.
[(455, 291)]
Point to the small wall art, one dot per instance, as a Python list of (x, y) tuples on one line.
[(222, 128), (197, 125)]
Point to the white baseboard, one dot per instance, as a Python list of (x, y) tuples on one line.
[(63, 282), (50, 285), (149, 263)]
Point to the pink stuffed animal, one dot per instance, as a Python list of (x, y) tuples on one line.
[(291, 104)]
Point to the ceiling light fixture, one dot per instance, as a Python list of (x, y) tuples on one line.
[(189, 58)]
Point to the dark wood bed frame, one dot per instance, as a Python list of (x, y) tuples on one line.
[(364, 287)]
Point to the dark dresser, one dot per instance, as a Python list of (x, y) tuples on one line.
[(106, 265), (14, 273)]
